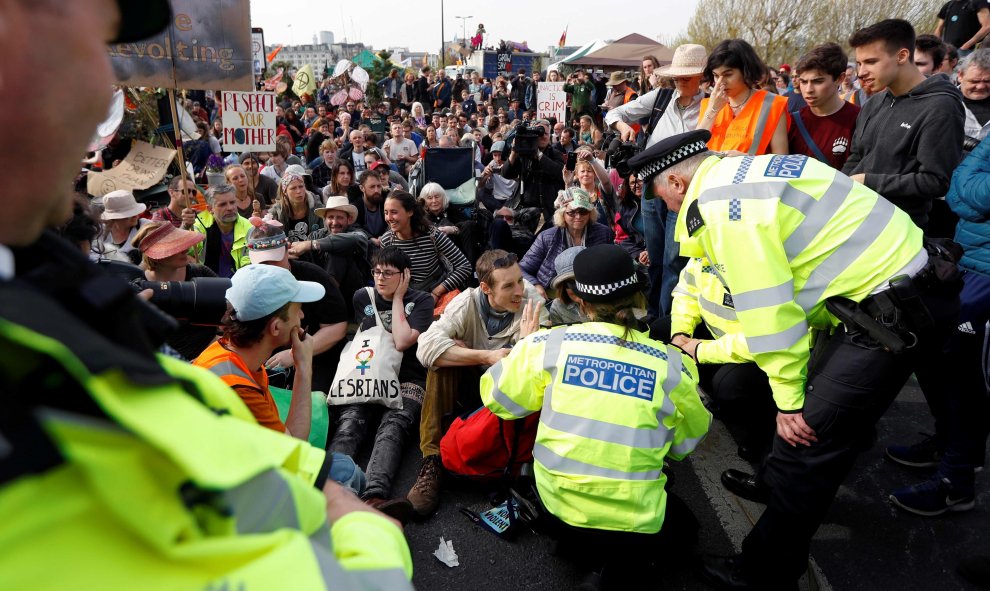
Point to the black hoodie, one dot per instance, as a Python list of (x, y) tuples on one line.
[(909, 145)]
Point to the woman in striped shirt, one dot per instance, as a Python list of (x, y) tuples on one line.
[(437, 265)]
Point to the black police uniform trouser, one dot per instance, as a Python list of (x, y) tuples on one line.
[(848, 390)]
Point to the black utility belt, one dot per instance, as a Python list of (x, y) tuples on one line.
[(891, 319)]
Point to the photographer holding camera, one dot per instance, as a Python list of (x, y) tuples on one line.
[(537, 166)]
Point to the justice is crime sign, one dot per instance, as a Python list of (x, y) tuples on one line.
[(248, 121)]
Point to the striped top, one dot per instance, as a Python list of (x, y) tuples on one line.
[(425, 252)]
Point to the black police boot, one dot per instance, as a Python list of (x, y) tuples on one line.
[(746, 486)]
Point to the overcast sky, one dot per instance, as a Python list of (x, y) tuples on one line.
[(415, 24)]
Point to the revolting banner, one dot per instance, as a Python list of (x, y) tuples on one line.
[(207, 45)]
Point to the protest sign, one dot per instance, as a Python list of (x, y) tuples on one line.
[(207, 43), (144, 166), (504, 62), (258, 51), (249, 121), (305, 81), (551, 100)]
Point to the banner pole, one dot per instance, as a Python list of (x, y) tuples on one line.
[(176, 131)]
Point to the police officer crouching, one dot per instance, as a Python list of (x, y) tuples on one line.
[(614, 404), (800, 245)]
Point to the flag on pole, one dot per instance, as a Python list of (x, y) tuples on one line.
[(305, 82), (563, 38), (271, 56), (272, 82)]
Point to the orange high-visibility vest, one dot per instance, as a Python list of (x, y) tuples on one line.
[(230, 368), (758, 119)]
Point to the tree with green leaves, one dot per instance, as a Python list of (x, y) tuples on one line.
[(380, 69)]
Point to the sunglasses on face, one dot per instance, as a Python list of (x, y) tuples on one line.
[(506, 261), (576, 213)]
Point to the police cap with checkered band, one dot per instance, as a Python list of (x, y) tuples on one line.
[(605, 273), (668, 152)]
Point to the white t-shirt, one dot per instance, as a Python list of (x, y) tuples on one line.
[(400, 149)]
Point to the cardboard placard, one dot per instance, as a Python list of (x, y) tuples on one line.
[(551, 100), (144, 166), (249, 121)]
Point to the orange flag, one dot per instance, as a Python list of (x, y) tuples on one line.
[(271, 56)]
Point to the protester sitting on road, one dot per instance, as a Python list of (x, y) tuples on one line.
[(181, 195), (575, 224), (429, 249), (630, 222), (225, 249), (404, 313), (460, 230), (325, 320), (472, 334), (163, 250), (742, 118), (588, 133), (566, 307), (322, 168), (602, 442), (264, 312), (591, 176), (295, 208), (247, 203), (340, 247), (260, 187), (121, 222)]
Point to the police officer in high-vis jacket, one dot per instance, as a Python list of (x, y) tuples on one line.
[(120, 469), (614, 405), (704, 324), (800, 245)]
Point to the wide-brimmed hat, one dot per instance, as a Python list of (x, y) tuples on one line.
[(605, 273), (689, 60), (339, 203), (258, 290), (266, 241), (616, 78), (120, 204), (167, 240), (564, 266)]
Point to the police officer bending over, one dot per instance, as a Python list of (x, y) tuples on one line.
[(130, 470), (801, 245), (614, 404)]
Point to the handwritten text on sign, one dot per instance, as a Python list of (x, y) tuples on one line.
[(144, 166), (551, 100), (248, 121)]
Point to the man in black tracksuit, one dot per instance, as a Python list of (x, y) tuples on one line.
[(908, 138)]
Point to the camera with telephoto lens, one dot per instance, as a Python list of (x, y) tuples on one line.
[(201, 300), (618, 153), (524, 139)]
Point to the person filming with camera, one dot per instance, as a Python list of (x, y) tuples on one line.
[(537, 166)]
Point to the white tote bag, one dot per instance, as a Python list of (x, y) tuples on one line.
[(368, 371)]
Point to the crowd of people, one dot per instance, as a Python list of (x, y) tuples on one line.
[(773, 249)]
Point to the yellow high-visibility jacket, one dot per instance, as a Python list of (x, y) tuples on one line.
[(610, 410), (789, 233), (700, 297)]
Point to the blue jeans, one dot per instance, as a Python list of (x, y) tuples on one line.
[(345, 472), (665, 260), (395, 426)]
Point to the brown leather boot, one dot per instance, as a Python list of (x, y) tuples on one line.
[(425, 494)]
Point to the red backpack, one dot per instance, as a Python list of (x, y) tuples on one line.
[(483, 447)]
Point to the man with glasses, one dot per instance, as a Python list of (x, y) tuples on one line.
[(475, 331), (182, 194)]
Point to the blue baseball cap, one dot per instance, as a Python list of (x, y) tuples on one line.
[(258, 290)]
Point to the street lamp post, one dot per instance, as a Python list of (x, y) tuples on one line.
[(443, 53), (464, 27)]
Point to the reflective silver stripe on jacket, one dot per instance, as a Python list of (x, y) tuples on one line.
[(717, 309), (262, 504), (764, 297), (761, 123), (846, 254), (507, 403), (338, 579), (588, 428), (229, 368), (557, 463), (778, 341)]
